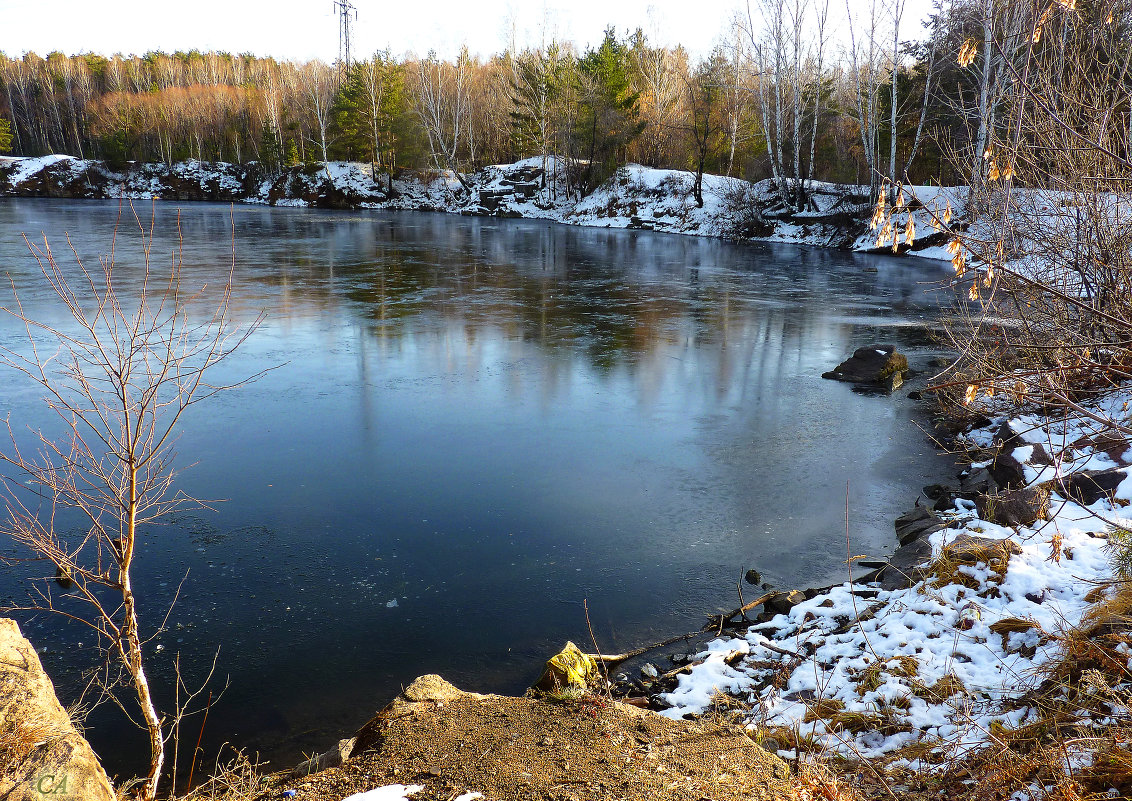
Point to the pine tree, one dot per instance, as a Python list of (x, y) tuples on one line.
[(608, 109), (291, 158), (5, 136), (269, 151)]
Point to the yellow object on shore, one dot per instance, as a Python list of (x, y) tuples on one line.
[(569, 669)]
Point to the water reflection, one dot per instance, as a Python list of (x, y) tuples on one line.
[(487, 422)]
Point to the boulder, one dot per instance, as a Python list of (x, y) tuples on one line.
[(873, 364), (1114, 445), (975, 483), (1040, 456), (1019, 507), (904, 568), (1089, 486), (1007, 471), (42, 755), (968, 550), (423, 695)]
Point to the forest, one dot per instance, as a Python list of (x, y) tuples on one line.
[(782, 95)]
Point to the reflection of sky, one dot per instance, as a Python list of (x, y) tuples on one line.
[(491, 421)]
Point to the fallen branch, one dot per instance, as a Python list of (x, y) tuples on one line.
[(615, 659), (719, 621)]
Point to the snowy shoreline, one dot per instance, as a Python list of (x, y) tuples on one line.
[(635, 197), (864, 671)]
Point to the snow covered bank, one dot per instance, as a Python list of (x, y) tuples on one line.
[(636, 197), (866, 671)]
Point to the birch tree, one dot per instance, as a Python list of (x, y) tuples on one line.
[(120, 375)]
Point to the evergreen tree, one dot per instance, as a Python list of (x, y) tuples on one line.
[(608, 111), (5, 136), (367, 112), (270, 154), (291, 157)]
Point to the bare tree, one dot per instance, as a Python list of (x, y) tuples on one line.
[(119, 373), (319, 82), (440, 98), (866, 62)]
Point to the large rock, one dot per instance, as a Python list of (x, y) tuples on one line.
[(423, 695), (873, 364), (905, 568), (1089, 486), (1007, 471), (1018, 507), (42, 755)]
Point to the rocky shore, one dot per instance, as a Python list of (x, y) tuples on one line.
[(635, 197)]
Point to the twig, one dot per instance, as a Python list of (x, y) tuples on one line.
[(196, 750), (597, 648)]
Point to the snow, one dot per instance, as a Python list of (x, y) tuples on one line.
[(390, 792), (635, 196), (401, 792), (922, 626), (27, 167)]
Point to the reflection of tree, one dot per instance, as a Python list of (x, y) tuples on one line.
[(617, 299)]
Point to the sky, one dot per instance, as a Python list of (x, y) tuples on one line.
[(294, 30)]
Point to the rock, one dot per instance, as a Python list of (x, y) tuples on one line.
[(936, 491), (903, 568), (1007, 471), (1089, 486), (1040, 456), (42, 755), (1007, 438), (569, 669), (330, 759), (1114, 445), (968, 550), (753, 577), (975, 483), (945, 503), (918, 523), (873, 364), (781, 603), (1019, 507)]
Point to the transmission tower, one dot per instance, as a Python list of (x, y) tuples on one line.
[(344, 8)]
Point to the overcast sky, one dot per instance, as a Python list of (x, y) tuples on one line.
[(300, 30)]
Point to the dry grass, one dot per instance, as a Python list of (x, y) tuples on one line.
[(238, 779), (947, 568), (816, 782), (822, 709), (20, 737)]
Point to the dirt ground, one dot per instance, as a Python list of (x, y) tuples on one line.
[(528, 749)]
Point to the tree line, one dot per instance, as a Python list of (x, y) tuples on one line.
[(780, 97)]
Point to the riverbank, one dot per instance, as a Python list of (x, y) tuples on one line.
[(635, 197)]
